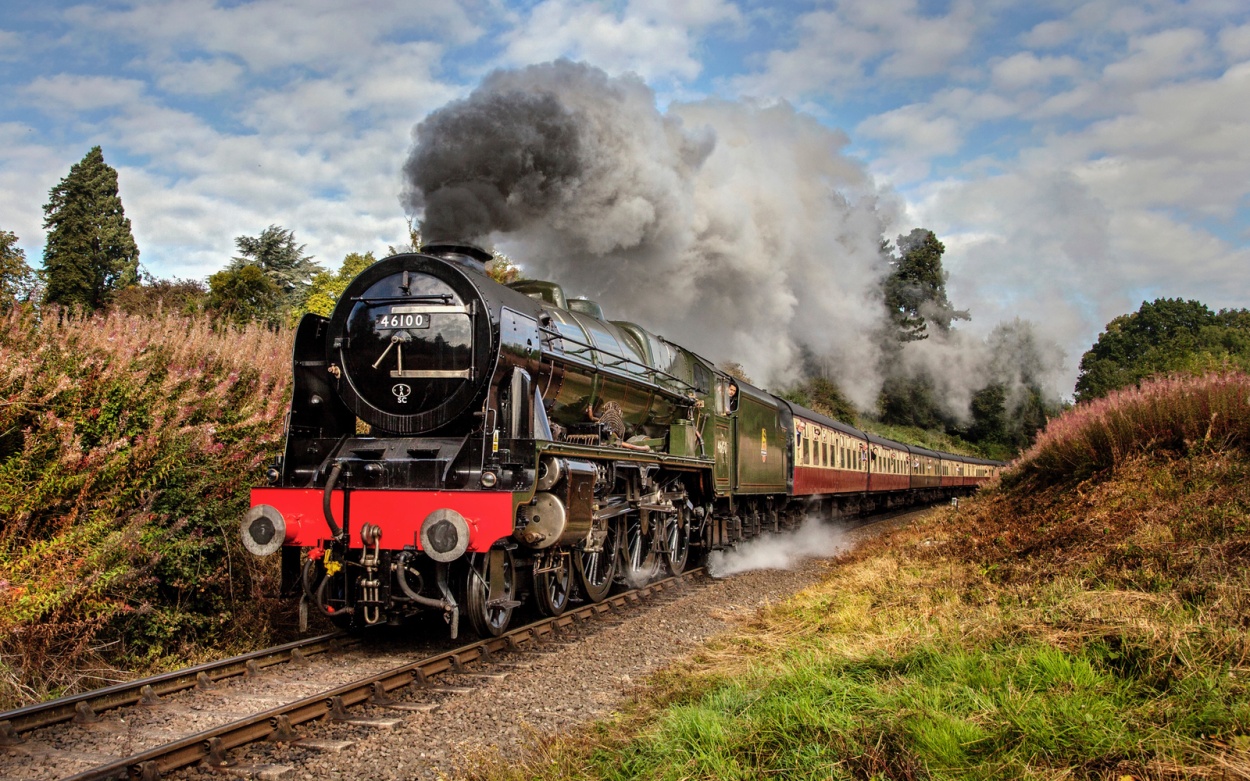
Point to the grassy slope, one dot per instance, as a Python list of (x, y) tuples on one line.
[(126, 449), (1061, 626), (926, 438)]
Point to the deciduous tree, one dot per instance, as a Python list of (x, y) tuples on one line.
[(1163, 336), (153, 297), (17, 280), (91, 251), (243, 295), (502, 269), (414, 241), (326, 288)]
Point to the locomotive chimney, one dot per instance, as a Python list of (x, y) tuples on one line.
[(469, 256)]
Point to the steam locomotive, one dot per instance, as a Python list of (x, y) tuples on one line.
[(462, 446)]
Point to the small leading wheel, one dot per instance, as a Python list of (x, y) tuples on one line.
[(597, 569), (639, 560), (553, 580), (489, 585), (675, 541)]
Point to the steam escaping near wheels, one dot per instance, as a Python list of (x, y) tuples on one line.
[(813, 539)]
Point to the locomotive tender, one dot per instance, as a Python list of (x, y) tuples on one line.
[(461, 446)]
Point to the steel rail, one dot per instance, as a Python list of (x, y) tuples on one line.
[(84, 706), (278, 722)]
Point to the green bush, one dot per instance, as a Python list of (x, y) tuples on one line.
[(127, 446)]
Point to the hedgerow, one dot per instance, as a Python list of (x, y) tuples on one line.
[(127, 446)]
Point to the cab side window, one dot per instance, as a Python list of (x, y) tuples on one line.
[(702, 378)]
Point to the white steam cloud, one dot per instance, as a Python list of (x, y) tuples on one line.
[(740, 231), (1014, 356), (813, 539), (737, 230)]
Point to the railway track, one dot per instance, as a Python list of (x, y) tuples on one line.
[(85, 708), (30, 735)]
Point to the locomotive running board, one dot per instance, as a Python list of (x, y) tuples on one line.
[(621, 454)]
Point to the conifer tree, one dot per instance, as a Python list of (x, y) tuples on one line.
[(91, 251), (283, 261), (915, 290)]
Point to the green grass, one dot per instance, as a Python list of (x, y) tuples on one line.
[(943, 707)]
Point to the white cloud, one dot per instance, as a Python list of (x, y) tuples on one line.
[(309, 124), (320, 35), (199, 77), (926, 44), (971, 106), (1049, 34), (1159, 58), (915, 134), (1087, 223), (1080, 101), (1026, 69), (66, 92), (692, 13), (29, 168), (10, 45), (1180, 146), (1235, 41), (654, 39), (839, 49)]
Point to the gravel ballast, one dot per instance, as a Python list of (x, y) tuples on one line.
[(543, 694)]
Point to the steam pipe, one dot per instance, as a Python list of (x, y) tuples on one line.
[(320, 601), (401, 567), (335, 531), (317, 595)]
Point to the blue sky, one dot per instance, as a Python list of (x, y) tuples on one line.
[(1075, 157)]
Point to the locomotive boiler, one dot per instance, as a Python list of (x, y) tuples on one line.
[(465, 447)]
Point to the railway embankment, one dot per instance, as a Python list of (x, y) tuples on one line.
[(1086, 617), (126, 446)]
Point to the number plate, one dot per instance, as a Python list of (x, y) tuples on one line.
[(400, 320)]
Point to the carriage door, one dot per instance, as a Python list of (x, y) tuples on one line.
[(726, 437), (724, 456)]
